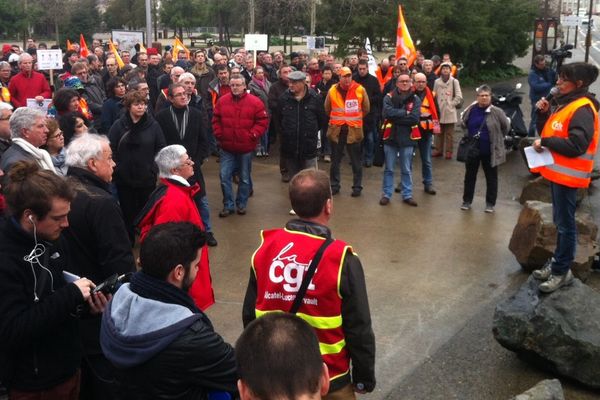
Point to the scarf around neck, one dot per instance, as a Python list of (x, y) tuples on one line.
[(41, 156)]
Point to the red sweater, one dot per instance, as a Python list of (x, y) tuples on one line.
[(23, 87)]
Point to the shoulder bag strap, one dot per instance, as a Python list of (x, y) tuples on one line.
[(309, 275)]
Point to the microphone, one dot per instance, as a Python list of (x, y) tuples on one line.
[(553, 92)]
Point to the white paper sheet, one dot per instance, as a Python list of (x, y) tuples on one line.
[(535, 159)]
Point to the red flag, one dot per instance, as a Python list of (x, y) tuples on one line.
[(83, 49), (404, 43)]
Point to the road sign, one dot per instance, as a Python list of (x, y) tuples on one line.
[(571, 20)]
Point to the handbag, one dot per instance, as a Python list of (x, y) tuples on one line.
[(436, 129), (462, 101), (468, 147), (312, 268)]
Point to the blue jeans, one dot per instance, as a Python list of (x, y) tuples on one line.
[(391, 154), (425, 152), (369, 142), (241, 163), (563, 215)]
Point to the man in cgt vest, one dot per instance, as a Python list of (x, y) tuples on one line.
[(335, 303), (347, 103)]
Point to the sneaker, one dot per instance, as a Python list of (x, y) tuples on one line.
[(544, 273), (489, 209), (327, 158), (384, 201), (210, 239), (465, 206), (556, 282), (292, 212)]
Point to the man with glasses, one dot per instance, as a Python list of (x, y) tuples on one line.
[(347, 103), (94, 94), (239, 120), (402, 109), (163, 98), (184, 125), (428, 120)]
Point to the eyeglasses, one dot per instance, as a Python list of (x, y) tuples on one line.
[(59, 134), (188, 161), (182, 94), (401, 63), (79, 125), (5, 118), (403, 81)]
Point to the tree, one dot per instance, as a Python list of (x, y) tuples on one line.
[(129, 14), (181, 14)]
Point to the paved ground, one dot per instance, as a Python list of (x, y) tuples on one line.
[(434, 274)]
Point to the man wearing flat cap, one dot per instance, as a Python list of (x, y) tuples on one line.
[(347, 103), (301, 117)]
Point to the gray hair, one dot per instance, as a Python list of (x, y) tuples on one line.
[(169, 158), (4, 64), (23, 118), (84, 148), (24, 56), (484, 88), (5, 106), (187, 75)]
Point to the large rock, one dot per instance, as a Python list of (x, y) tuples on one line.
[(539, 189), (559, 331), (548, 389), (534, 239)]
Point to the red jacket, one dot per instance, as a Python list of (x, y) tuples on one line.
[(176, 204), (238, 123), (22, 87)]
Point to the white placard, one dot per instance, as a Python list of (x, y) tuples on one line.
[(256, 42), (43, 106), (49, 59), (128, 39), (315, 42)]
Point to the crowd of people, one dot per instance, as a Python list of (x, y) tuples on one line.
[(116, 160)]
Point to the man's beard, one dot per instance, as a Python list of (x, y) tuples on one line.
[(187, 282)]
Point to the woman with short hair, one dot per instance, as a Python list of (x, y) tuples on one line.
[(489, 123)]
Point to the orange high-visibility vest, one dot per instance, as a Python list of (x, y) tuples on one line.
[(384, 79), (573, 172), (348, 111)]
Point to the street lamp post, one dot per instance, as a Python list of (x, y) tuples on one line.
[(148, 24)]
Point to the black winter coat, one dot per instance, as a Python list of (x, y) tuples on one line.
[(300, 122), (404, 112), (134, 147), (98, 241), (39, 343), (371, 85), (194, 140)]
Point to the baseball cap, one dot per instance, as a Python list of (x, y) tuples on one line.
[(344, 71)]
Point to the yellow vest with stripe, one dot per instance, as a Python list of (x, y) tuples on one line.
[(573, 172)]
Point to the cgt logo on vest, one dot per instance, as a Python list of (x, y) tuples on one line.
[(285, 268), (557, 126)]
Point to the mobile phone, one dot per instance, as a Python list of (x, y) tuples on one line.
[(108, 286)]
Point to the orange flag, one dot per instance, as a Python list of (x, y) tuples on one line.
[(112, 47), (142, 48), (69, 45), (404, 43), (83, 49), (177, 47)]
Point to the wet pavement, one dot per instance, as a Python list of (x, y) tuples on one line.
[(434, 274)]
